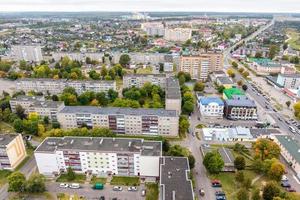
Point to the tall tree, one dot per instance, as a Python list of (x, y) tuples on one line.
[(16, 182), (213, 162)]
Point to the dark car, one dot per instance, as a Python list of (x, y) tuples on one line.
[(220, 195), (102, 198), (285, 184)]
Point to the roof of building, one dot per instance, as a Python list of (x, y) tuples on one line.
[(265, 62), (240, 101), (296, 75), (226, 155), (28, 98), (174, 180), (227, 133), (208, 100), (173, 88), (101, 144), (291, 145), (224, 80), (64, 80), (118, 111), (5, 139), (47, 104), (145, 75), (232, 91)]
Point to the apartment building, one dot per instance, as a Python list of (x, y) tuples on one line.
[(173, 95), (24, 101), (99, 156), (199, 66), (178, 34), (57, 86), (37, 104), (27, 53), (153, 28), (240, 108), (12, 151), (121, 120), (290, 81), (210, 106), (138, 80), (174, 179)]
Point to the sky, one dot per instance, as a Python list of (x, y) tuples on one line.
[(289, 6)]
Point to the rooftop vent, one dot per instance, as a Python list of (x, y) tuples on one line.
[(129, 144), (101, 141)]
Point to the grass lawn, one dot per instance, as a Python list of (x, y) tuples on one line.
[(98, 180), (3, 176), (64, 196), (151, 191), (5, 128), (248, 161), (45, 195), (79, 178), (294, 40), (147, 70), (123, 180)]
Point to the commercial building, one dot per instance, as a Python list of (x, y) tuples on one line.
[(229, 93), (27, 53), (227, 134), (290, 81), (99, 156), (289, 150), (12, 151), (210, 106), (173, 95), (57, 86), (121, 120), (240, 108), (174, 179), (138, 80), (199, 66), (178, 34)]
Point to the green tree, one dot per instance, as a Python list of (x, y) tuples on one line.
[(112, 95), (288, 103), (199, 86), (188, 107), (20, 111), (273, 51), (245, 74), (192, 161), (70, 174), (103, 71), (239, 176), (231, 73), (255, 194), (276, 171), (266, 149), (245, 87), (234, 64), (16, 182), (36, 184), (239, 163), (243, 194), (18, 125), (181, 79), (183, 125), (258, 54), (213, 162), (270, 191), (124, 60)]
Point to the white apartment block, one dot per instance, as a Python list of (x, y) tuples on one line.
[(57, 86), (99, 156), (173, 95), (200, 66), (178, 34), (24, 101), (27, 53), (153, 28), (138, 80), (121, 120)]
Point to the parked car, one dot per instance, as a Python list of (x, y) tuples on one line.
[(75, 186), (132, 188), (216, 183), (143, 193), (63, 185), (117, 188), (201, 192), (220, 195), (98, 186), (102, 198), (284, 178), (292, 129), (285, 184)]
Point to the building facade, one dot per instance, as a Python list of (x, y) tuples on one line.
[(138, 80), (27, 53), (24, 101), (57, 86), (240, 108), (290, 81), (99, 156), (12, 151), (211, 106), (178, 34), (200, 66), (121, 120)]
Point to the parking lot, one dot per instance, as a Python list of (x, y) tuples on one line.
[(87, 192)]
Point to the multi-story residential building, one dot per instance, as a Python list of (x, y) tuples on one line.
[(27, 53), (24, 101), (178, 34), (210, 106), (99, 156), (57, 86), (290, 81), (12, 151), (174, 179), (289, 150), (138, 80), (240, 107), (173, 95), (121, 120), (37, 104), (264, 66), (153, 28), (199, 66)]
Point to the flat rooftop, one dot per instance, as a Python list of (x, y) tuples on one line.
[(118, 111), (240, 101), (5, 139), (174, 182), (291, 145), (47, 104), (101, 144), (173, 88), (28, 98), (145, 75)]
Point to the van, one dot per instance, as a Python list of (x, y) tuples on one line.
[(292, 129), (75, 186), (98, 186)]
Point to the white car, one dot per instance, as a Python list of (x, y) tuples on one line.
[(284, 178), (74, 186), (63, 185), (132, 188), (117, 188)]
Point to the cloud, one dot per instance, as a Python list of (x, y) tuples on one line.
[(152, 5)]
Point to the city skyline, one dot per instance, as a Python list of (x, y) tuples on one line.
[(269, 6)]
